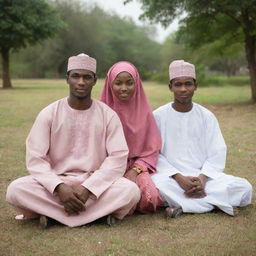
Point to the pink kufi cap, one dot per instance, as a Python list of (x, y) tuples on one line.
[(82, 61), (179, 68)]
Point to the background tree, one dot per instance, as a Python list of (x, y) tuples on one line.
[(220, 58), (209, 20), (89, 29), (23, 23)]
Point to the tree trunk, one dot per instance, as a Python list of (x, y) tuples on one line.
[(250, 50), (5, 63), (250, 44)]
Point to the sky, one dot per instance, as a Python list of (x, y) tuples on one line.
[(133, 10)]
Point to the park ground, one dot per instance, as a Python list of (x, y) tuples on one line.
[(189, 235)]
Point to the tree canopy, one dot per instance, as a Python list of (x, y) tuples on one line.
[(110, 38), (24, 23), (104, 36), (232, 21)]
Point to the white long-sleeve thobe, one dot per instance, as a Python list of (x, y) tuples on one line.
[(192, 144), (84, 147)]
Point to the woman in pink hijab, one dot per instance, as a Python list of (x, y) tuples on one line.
[(124, 93)]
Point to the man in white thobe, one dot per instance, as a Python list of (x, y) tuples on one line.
[(190, 167)]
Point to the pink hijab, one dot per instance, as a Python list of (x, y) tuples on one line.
[(140, 129)]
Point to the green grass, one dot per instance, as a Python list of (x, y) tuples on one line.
[(202, 234)]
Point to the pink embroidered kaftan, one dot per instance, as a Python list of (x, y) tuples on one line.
[(84, 147)]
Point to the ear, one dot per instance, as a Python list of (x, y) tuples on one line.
[(170, 86), (67, 78), (95, 80), (195, 86)]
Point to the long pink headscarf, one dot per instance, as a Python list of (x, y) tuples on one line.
[(140, 129)]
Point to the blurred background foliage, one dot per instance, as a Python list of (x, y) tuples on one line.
[(109, 38)]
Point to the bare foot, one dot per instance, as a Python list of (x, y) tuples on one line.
[(111, 220), (20, 217), (172, 212), (43, 221)]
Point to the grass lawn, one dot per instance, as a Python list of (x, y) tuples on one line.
[(201, 234)]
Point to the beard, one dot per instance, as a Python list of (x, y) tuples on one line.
[(80, 97)]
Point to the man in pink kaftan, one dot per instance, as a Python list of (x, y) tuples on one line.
[(76, 155)]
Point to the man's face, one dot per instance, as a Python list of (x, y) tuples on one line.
[(81, 82), (183, 89)]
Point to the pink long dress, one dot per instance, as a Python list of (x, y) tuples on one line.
[(141, 133), (84, 147)]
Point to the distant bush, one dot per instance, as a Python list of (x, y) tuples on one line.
[(218, 80), (161, 77), (145, 75)]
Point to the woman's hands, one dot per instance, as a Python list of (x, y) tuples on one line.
[(131, 174)]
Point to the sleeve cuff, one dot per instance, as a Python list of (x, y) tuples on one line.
[(211, 174), (94, 187), (174, 172), (51, 187)]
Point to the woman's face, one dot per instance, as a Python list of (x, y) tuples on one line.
[(123, 86)]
